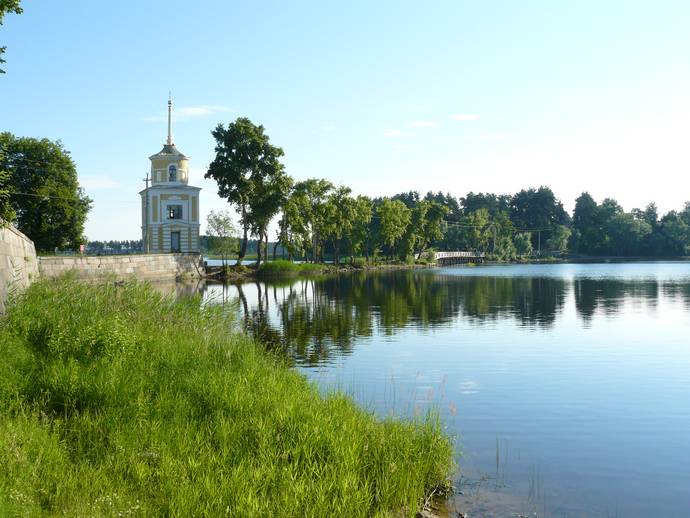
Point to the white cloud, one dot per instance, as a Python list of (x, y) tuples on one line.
[(190, 112), (97, 182), (393, 133), (328, 127), (466, 117), (423, 124), (201, 110)]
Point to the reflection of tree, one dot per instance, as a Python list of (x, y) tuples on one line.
[(530, 300), (319, 318), (311, 321), (677, 290), (607, 295)]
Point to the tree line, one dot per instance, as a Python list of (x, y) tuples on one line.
[(317, 219)]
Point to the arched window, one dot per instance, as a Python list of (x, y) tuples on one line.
[(172, 173)]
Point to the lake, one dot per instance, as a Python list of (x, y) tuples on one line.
[(565, 386)]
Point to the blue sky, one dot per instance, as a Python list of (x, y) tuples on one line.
[(381, 96)]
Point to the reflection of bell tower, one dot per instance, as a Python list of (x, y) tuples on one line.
[(170, 207)]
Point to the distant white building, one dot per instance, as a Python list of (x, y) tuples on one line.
[(170, 206)]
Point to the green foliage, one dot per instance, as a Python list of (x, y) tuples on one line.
[(626, 233), (6, 211), (560, 237), (494, 204), (50, 206), (394, 217), (284, 267), (674, 229), (523, 244), (250, 175), (478, 230), (606, 229), (222, 234), (425, 226), (537, 210), (359, 262), (7, 6), (505, 249), (360, 235), (340, 211), (115, 400)]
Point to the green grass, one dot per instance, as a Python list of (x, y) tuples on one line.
[(118, 401), (285, 267)]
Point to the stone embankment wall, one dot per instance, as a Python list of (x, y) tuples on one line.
[(145, 266), (18, 263)]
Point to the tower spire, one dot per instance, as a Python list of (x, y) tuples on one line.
[(170, 140)]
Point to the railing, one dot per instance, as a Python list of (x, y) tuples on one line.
[(446, 255)]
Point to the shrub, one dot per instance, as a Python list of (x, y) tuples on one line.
[(359, 262), (285, 267)]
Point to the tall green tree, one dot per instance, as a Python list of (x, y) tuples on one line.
[(269, 196), (312, 196), (249, 174), (523, 244), (50, 205), (7, 6), (477, 230), (342, 211), (493, 203), (432, 226), (394, 218), (559, 239), (361, 232), (674, 228), (627, 234), (414, 231), (409, 198), (587, 225), (292, 233), (502, 230), (425, 227), (454, 212), (537, 210)]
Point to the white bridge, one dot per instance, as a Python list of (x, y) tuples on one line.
[(459, 257)]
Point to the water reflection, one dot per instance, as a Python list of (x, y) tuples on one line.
[(313, 319)]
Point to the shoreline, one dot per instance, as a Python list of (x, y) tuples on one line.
[(250, 272), (238, 273)]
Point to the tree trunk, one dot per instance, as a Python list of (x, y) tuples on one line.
[(259, 246), (275, 249), (243, 247)]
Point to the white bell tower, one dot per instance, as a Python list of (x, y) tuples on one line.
[(170, 206)]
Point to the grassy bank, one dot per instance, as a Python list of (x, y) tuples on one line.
[(115, 400), (283, 267)]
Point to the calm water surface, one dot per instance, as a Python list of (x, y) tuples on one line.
[(567, 387)]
